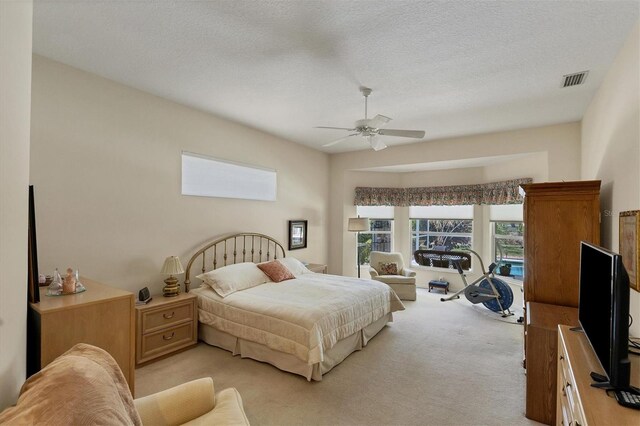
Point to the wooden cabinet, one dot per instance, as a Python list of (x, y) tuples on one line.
[(101, 316), (165, 325), (579, 404), (317, 267), (542, 339), (557, 216)]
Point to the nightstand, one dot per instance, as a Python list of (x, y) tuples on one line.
[(317, 267), (165, 325)]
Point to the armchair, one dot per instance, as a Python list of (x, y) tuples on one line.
[(86, 386), (403, 283)]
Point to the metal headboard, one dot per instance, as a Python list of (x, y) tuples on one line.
[(243, 247)]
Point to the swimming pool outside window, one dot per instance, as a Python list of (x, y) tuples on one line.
[(508, 243)]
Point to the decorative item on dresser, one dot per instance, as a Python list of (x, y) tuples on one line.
[(357, 225), (101, 316), (171, 266), (165, 326), (578, 403), (557, 216), (317, 267)]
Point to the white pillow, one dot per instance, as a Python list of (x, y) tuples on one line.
[(294, 265), (232, 278)]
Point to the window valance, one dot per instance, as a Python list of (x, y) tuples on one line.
[(505, 192)]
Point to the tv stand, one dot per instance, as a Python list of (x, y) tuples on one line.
[(578, 402)]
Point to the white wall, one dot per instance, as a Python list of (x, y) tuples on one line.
[(611, 146), (107, 169), (15, 101), (552, 154)]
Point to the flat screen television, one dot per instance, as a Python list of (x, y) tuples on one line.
[(603, 312)]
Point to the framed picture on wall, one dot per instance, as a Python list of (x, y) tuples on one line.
[(297, 234), (629, 244)]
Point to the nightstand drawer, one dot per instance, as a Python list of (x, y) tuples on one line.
[(156, 319), (166, 341)]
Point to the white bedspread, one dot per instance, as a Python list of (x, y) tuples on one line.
[(302, 317)]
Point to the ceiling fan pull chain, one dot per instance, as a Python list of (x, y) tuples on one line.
[(366, 98)]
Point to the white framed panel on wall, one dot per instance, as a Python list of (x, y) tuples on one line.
[(205, 176), (375, 212), (506, 213), (441, 212)]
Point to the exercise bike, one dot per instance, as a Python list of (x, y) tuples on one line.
[(493, 293)]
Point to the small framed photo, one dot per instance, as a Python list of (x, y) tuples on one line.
[(297, 234), (629, 243)]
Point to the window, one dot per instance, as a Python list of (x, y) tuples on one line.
[(209, 177), (380, 234), (508, 244), (441, 234), (441, 228)]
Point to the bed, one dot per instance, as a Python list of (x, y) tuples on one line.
[(306, 325)]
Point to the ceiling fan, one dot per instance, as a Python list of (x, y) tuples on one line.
[(371, 128)]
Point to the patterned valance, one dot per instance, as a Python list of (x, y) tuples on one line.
[(506, 192)]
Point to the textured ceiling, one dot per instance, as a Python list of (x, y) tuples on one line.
[(449, 68)]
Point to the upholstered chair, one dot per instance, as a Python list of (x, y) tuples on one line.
[(402, 280), (85, 386)]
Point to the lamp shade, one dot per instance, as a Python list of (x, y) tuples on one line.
[(358, 224), (172, 266)]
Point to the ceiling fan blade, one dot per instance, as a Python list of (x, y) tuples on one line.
[(378, 121), (402, 133), (338, 140), (376, 143), (336, 128)]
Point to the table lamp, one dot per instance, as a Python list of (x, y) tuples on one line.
[(171, 266), (358, 224)]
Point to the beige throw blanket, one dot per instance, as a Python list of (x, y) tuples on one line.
[(84, 386), (303, 317)]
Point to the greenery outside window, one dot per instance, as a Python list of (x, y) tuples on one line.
[(378, 238), (441, 234)]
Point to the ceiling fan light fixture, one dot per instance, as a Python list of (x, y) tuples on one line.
[(376, 143)]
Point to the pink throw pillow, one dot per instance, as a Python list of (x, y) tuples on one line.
[(276, 271)]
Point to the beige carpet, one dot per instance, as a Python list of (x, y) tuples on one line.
[(438, 363)]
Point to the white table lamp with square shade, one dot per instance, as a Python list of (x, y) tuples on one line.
[(171, 267), (358, 224)]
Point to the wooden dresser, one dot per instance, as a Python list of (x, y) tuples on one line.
[(557, 216), (165, 325), (542, 343), (579, 404), (101, 316)]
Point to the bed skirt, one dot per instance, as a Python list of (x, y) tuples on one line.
[(287, 362)]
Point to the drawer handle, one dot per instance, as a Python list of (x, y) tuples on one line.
[(170, 337), (169, 316), (561, 357)]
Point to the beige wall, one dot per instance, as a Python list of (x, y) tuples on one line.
[(15, 101), (106, 164), (611, 146), (552, 153)]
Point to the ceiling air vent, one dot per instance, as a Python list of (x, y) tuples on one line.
[(574, 79)]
